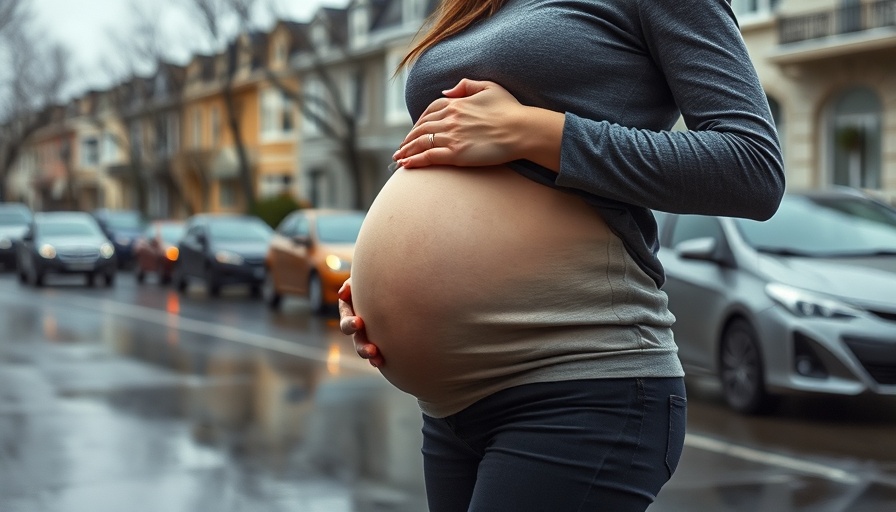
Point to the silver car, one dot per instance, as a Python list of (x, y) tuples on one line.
[(804, 302)]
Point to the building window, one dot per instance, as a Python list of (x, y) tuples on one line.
[(360, 23), (197, 128), (276, 114), (753, 8), (90, 152), (228, 192), (854, 134), (396, 111), (778, 116), (216, 127)]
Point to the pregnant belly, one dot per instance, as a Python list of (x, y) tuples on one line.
[(445, 253)]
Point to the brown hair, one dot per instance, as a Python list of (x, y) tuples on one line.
[(451, 17)]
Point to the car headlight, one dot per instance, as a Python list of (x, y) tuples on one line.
[(107, 250), (808, 304), (172, 252), (122, 240), (338, 264), (47, 251), (228, 258), (5, 243)]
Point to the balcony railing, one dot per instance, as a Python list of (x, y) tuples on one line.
[(843, 20)]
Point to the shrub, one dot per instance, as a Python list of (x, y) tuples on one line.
[(275, 208)]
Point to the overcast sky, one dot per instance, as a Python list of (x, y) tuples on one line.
[(84, 27)]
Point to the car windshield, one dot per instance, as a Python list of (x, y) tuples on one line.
[(124, 221), (243, 230), (339, 229), (67, 228), (171, 233), (824, 227), (13, 218)]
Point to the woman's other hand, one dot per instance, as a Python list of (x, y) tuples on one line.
[(352, 325), (480, 123)]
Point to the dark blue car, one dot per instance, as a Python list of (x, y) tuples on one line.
[(123, 227)]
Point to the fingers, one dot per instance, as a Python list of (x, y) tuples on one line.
[(467, 87)]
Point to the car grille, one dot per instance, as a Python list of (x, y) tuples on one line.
[(254, 261), (878, 357), (81, 254), (886, 315)]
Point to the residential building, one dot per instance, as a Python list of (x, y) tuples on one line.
[(355, 115), (40, 174), (829, 68)]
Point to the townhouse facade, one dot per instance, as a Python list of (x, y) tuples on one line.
[(829, 68)]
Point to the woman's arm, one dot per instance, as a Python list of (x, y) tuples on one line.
[(729, 163)]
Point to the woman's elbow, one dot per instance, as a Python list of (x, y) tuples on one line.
[(768, 198)]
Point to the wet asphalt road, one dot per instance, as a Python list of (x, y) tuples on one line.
[(137, 398)]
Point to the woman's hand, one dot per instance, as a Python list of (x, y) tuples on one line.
[(353, 326), (476, 123)]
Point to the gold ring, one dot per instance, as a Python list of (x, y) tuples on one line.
[(432, 140)]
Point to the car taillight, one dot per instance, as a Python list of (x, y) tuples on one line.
[(171, 253)]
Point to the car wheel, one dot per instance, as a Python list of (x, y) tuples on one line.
[(23, 277), (211, 283), (741, 369), (37, 279), (316, 294), (91, 279), (269, 292), (109, 279), (140, 275)]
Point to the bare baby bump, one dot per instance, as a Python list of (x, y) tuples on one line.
[(439, 245)]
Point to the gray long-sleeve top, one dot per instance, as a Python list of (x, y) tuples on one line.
[(623, 71)]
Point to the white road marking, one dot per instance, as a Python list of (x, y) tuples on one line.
[(769, 458)]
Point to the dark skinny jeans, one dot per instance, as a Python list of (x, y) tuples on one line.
[(600, 445)]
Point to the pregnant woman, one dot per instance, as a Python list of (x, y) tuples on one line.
[(506, 275)]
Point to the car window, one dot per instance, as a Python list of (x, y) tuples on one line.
[(171, 233), (13, 218), (689, 227), (339, 229), (67, 228), (124, 220), (237, 229), (288, 226), (303, 227), (830, 226)]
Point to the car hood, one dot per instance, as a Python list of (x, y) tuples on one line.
[(72, 241), (245, 249), (14, 232), (866, 280)]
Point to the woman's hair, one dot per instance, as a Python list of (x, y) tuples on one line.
[(448, 19)]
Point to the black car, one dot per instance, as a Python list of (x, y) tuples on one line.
[(223, 249), (123, 228), (65, 243), (14, 221)]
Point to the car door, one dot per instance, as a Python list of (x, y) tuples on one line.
[(192, 250), (297, 254), (697, 289)]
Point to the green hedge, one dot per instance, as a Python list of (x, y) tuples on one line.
[(274, 209)]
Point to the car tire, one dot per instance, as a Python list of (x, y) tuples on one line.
[(37, 279), (180, 282), (316, 294), (91, 279), (140, 276), (741, 370), (269, 292), (109, 279), (211, 282)]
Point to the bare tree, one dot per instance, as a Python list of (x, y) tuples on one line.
[(36, 72), (215, 16)]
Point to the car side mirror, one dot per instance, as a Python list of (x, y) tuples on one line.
[(302, 240), (701, 249)]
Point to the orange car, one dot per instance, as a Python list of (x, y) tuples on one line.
[(156, 250), (310, 256)]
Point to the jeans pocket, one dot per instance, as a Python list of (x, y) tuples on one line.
[(678, 411)]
